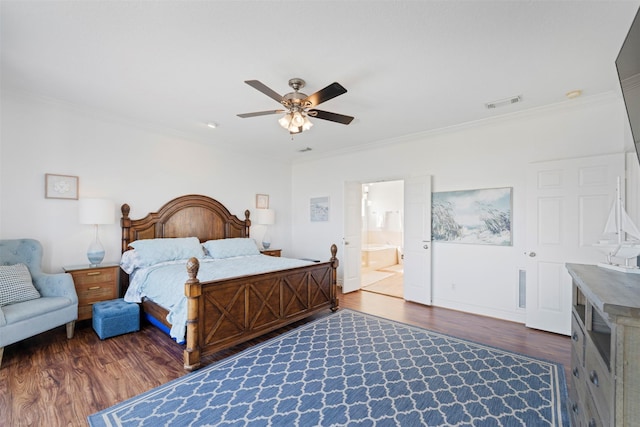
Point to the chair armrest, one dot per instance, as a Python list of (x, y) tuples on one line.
[(56, 285), (3, 320)]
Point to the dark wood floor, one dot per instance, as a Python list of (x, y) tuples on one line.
[(49, 380)]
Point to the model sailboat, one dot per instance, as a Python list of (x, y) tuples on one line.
[(619, 228)]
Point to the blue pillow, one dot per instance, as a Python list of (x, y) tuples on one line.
[(154, 251), (227, 248)]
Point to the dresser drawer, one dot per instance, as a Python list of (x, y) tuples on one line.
[(599, 382), (576, 409), (578, 377), (591, 418), (577, 339)]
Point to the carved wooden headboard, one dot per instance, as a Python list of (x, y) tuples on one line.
[(185, 216)]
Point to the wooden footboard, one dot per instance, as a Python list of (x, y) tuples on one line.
[(224, 313)]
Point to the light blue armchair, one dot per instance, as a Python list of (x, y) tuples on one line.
[(58, 304)]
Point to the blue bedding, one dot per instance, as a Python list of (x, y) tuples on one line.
[(163, 283)]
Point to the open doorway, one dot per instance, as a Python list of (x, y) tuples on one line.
[(382, 236)]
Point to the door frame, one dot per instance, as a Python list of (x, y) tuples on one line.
[(348, 271)]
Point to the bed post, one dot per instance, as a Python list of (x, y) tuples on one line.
[(334, 277), (247, 222), (193, 290), (125, 224)]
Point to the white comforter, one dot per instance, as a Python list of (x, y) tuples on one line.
[(164, 283)]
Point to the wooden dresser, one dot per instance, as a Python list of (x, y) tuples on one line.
[(94, 284), (605, 333)]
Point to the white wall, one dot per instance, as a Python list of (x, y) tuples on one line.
[(147, 167), (115, 159), (485, 155)]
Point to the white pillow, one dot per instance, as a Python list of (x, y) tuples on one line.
[(227, 248), (16, 285), (130, 261), (154, 251)]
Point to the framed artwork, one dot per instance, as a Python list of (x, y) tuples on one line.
[(60, 186), (262, 201), (319, 209), (480, 217)]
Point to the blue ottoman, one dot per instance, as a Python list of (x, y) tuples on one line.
[(115, 317)]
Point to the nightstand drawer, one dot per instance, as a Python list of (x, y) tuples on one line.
[(94, 284), (271, 252), (88, 293), (94, 276)]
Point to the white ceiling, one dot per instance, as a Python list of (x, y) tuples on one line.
[(409, 66)]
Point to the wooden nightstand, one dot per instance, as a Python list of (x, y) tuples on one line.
[(271, 252), (94, 284)]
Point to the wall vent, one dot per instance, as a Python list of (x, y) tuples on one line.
[(522, 288)]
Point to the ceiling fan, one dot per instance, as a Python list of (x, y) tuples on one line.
[(299, 107)]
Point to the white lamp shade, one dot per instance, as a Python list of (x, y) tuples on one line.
[(96, 211), (265, 216)]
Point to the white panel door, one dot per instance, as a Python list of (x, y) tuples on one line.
[(352, 258), (417, 239), (568, 202)]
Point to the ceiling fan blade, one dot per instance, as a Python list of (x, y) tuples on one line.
[(332, 117), (256, 84), (323, 95), (260, 113)]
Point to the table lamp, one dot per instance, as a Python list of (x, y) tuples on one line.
[(96, 212), (266, 217)]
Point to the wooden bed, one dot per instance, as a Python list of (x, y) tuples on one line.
[(227, 312)]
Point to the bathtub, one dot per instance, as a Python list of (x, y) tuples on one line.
[(376, 256)]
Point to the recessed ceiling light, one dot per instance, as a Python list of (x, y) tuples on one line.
[(573, 94), (212, 125)]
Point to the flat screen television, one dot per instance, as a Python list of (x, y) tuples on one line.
[(628, 66)]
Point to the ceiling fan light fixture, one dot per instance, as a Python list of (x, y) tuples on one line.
[(297, 120), (298, 107), (285, 120), (307, 124)]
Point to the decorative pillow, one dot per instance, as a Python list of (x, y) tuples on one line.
[(154, 251), (130, 261), (16, 285), (227, 248)]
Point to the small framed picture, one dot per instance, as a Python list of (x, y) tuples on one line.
[(262, 201), (319, 209), (60, 186)]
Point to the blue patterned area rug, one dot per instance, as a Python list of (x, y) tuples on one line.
[(351, 368)]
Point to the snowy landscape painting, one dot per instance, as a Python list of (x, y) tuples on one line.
[(319, 209), (472, 216)]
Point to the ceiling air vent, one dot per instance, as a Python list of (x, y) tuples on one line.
[(305, 150), (503, 102)]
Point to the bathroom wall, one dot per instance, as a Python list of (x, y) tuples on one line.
[(382, 213)]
